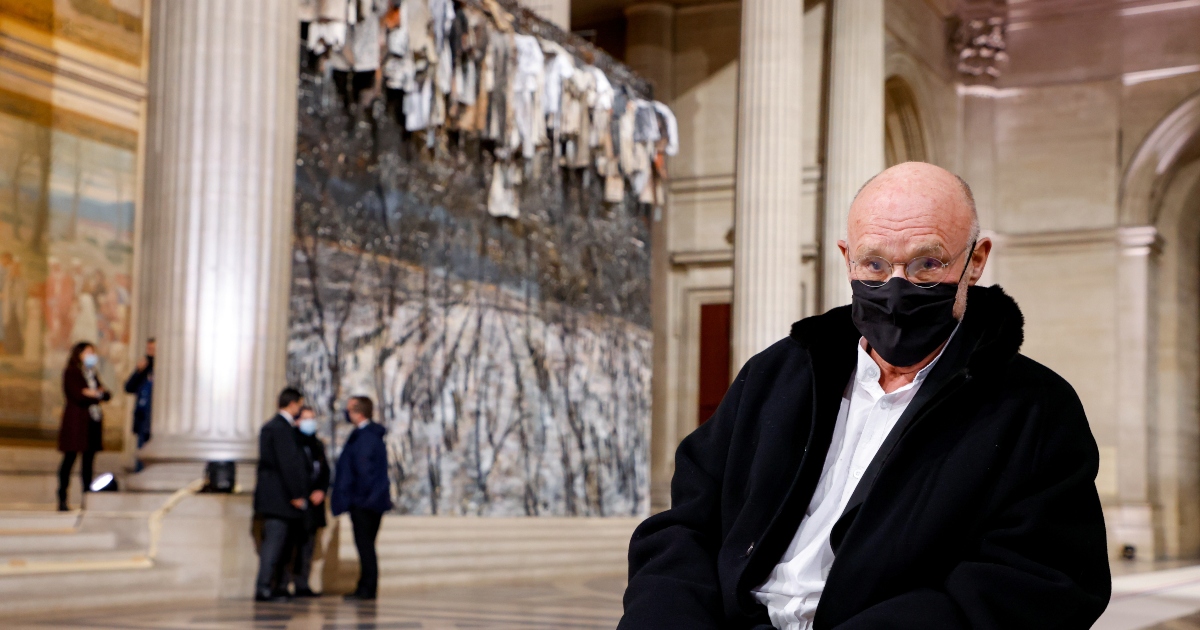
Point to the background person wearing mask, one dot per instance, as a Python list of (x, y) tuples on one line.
[(280, 496), (82, 421), (141, 384), (361, 488), (314, 516)]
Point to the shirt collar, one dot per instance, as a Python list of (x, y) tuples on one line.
[(287, 416)]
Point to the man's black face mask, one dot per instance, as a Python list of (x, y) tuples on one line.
[(904, 322)]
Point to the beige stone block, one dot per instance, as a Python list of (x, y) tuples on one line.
[(1055, 157), (1070, 320)]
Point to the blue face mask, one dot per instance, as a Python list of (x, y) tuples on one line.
[(90, 361), (308, 426)]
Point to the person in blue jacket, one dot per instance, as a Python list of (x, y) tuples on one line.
[(361, 487)]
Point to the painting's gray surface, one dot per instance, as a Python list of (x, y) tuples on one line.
[(510, 359)]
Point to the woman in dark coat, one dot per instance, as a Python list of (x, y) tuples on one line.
[(82, 419)]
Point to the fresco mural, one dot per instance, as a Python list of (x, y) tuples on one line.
[(66, 232), (510, 358)]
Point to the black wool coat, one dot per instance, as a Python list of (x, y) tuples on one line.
[(79, 433), (979, 511), (318, 479), (283, 471)]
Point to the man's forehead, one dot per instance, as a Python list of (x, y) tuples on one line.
[(922, 245)]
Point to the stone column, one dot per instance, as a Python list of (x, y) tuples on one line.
[(856, 128), (1133, 522), (216, 242), (649, 47), (770, 164)]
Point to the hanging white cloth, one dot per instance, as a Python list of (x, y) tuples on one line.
[(672, 147)]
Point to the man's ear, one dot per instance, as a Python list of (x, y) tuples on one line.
[(845, 247), (983, 249)]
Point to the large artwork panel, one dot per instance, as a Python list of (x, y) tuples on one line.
[(66, 231), (510, 358)]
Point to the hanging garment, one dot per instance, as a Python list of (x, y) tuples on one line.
[(626, 154), (639, 178), (362, 48), (646, 126), (326, 36), (604, 89), (672, 125), (528, 89), (418, 105), (579, 96), (397, 42), (500, 100), (559, 68), (614, 188), (416, 19), (502, 194), (442, 21)]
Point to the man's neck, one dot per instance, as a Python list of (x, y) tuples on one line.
[(364, 422), (287, 416), (892, 377)]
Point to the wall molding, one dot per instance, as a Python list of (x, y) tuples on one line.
[(69, 76)]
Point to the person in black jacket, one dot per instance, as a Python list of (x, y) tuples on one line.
[(141, 384), (891, 464), (314, 516), (281, 495), (81, 432), (361, 487)]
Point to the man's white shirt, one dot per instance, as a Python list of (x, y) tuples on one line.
[(866, 416)]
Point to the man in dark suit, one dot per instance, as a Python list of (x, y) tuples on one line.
[(281, 496), (361, 488), (314, 516)]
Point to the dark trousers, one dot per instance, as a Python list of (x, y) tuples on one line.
[(301, 566), (366, 528), (276, 549), (64, 473)]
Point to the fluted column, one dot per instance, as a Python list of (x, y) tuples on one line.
[(855, 142), (216, 237), (649, 48), (766, 250)]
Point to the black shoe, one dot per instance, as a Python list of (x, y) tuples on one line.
[(270, 596), (360, 597), (305, 592)]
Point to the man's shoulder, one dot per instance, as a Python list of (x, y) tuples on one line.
[(1039, 379), (276, 424)]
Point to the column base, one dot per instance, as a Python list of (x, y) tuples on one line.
[(1131, 524), (171, 476)]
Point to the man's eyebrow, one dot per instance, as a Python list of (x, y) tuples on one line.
[(936, 250)]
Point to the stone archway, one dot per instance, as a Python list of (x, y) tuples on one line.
[(904, 135), (1158, 345)]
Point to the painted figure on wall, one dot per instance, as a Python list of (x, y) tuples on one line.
[(66, 228)]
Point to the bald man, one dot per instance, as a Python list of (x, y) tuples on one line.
[(891, 464)]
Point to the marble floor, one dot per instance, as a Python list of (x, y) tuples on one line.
[(1163, 599), (570, 604)]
